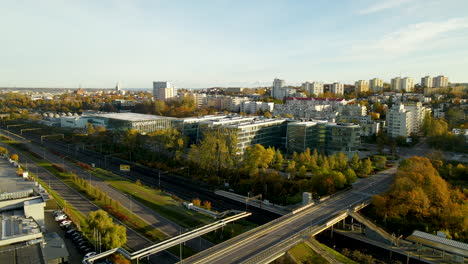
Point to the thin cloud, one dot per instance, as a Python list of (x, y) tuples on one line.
[(383, 5), (415, 37)]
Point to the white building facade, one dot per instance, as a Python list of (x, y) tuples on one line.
[(164, 90), (337, 88), (376, 85)]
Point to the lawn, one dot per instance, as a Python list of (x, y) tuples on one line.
[(302, 253), (338, 256)]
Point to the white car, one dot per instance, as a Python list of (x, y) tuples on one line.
[(65, 223), (60, 217), (90, 254)]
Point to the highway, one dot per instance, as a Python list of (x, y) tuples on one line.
[(253, 243)]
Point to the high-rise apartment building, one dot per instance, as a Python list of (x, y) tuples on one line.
[(277, 90), (426, 82), (361, 86), (399, 84), (337, 88), (315, 88), (163, 90), (407, 84), (395, 84), (405, 119), (440, 81), (376, 85)]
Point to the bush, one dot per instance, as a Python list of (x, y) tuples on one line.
[(57, 167)]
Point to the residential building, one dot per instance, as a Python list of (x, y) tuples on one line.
[(440, 81), (337, 88), (400, 84), (164, 90), (427, 82), (252, 107), (376, 85), (316, 108), (395, 84), (405, 119), (277, 90), (407, 84), (361, 86), (315, 88), (398, 121)]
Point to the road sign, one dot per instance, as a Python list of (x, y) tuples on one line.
[(124, 167)]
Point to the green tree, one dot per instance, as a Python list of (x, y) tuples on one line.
[(350, 176), (278, 160), (302, 171), (355, 162), (114, 236), (379, 162), (256, 157), (366, 168)]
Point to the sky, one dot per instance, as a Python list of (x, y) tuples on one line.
[(198, 44)]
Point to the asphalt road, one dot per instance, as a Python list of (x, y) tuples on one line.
[(239, 250), (134, 240)]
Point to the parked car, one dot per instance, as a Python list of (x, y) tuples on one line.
[(60, 217), (65, 223), (70, 232), (57, 212)]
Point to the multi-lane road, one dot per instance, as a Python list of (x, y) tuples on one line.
[(251, 244)]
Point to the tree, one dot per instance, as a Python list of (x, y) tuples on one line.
[(302, 171), (3, 150), (267, 114), (355, 162), (207, 205), (257, 157), (216, 152), (379, 162), (350, 176), (278, 160), (14, 157), (115, 236), (91, 129), (365, 168), (196, 202)]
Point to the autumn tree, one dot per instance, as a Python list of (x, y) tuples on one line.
[(256, 157), (3, 150), (419, 195), (14, 157)]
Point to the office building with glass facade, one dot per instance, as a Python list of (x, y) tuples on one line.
[(325, 137)]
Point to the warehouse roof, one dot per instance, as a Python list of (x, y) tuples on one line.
[(439, 242)]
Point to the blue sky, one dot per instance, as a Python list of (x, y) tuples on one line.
[(201, 43)]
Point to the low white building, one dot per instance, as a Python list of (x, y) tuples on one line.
[(252, 107)]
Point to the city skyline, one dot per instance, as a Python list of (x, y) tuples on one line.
[(229, 43)]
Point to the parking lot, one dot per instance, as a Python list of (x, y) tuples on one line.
[(75, 256)]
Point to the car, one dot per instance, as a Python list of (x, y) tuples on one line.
[(82, 242), (60, 217), (66, 222), (70, 232), (76, 236), (57, 212), (89, 254)]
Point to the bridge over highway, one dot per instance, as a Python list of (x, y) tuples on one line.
[(268, 242)]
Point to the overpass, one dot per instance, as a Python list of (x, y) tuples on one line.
[(171, 242), (268, 242)]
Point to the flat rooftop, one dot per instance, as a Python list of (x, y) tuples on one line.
[(22, 254), (15, 226), (9, 181), (130, 116)]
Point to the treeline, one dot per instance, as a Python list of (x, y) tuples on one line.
[(182, 107), (14, 102), (421, 199), (439, 136)]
